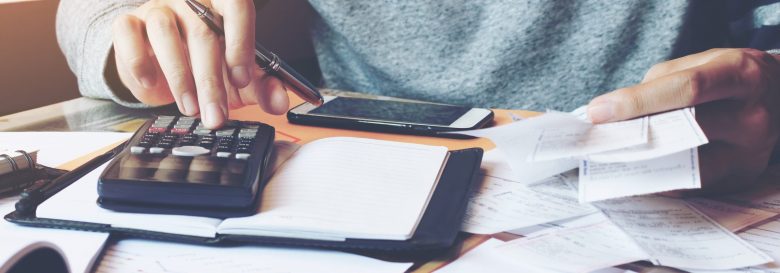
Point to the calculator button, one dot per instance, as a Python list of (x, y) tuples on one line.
[(181, 131), (190, 151), (223, 154), (202, 132), (242, 156), (137, 149), (225, 132), (161, 124), (247, 133), (156, 150), (157, 129)]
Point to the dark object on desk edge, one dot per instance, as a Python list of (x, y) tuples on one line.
[(383, 127), (436, 233), (39, 192), (12, 183)]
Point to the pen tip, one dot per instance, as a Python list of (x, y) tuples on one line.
[(195, 6)]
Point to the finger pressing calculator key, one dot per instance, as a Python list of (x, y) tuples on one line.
[(174, 165)]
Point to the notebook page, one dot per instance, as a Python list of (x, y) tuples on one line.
[(77, 203), (339, 188)]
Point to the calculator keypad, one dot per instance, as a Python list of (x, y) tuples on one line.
[(177, 161), (181, 149), (167, 133)]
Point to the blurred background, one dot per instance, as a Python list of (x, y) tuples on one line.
[(34, 73)]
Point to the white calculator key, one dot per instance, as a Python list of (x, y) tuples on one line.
[(242, 156), (190, 151), (226, 132), (156, 150), (223, 154), (137, 150)]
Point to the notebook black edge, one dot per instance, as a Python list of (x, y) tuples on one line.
[(436, 234)]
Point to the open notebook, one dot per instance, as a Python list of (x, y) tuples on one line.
[(330, 190)]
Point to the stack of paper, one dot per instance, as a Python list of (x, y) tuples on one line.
[(635, 157), (697, 234)]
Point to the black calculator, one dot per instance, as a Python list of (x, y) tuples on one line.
[(174, 165)]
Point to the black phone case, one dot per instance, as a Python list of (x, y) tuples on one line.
[(437, 231), (384, 127)]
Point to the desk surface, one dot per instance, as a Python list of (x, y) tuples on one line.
[(83, 114)]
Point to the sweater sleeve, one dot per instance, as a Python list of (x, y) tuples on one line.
[(84, 36), (754, 24)]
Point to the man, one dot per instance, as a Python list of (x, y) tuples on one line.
[(508, 54)]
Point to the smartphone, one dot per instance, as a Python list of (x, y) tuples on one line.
[(390, 116)]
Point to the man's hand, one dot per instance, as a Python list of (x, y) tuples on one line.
[(165, 53), (736, 94)]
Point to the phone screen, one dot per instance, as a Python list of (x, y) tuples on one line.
[(406, 112)]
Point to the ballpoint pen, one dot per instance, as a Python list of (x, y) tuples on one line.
[(266, 59)]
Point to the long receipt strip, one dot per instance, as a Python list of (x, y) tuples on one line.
[(666, 231), (674, 233), (618, 159), (581, 138), (584, 249), (503, 204), (601, 181), (669, 161)]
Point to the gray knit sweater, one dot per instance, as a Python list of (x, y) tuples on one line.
[(525, 54)]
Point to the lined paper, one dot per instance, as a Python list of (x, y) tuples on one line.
[(339, 188)]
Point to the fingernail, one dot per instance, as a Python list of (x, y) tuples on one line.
[(146, 81), (240, 75), (602, 111), (189, 104), (214, 115)]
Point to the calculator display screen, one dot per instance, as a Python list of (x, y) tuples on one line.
[(385, 110)]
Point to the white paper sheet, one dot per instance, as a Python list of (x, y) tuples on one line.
[(501, 205), (579, 249), (57, 148), (135, 255), (582, 221), (517, 141), (582, 138), (766, 238), (670, 132), (732, 217), (80, 247), (495, 164), (601, 181), (485, 258), (673, 233)]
